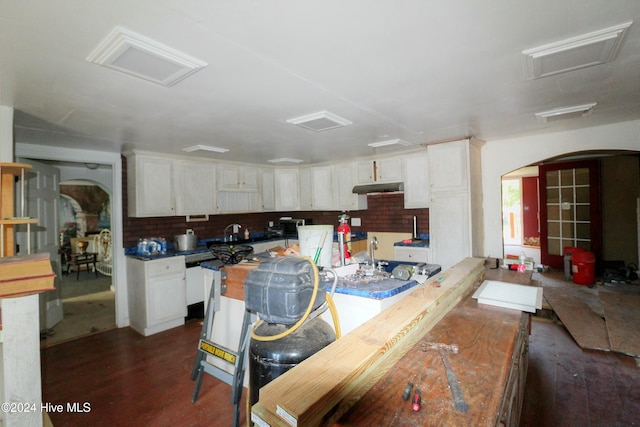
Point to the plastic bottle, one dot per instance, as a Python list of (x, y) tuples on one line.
[(521, 263), (246, 233)]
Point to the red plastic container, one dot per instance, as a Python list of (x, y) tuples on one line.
[(584, 268)]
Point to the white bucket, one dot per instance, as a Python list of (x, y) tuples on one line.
[(309, 238)]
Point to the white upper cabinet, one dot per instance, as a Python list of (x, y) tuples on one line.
[(305, 180), (389, 170), (238, 201), (195, 187), (416, 181), (150, 186), (344, 178), (238, 178), (380, 170), (268, 190), (449, 166), (321, 188), (287, 197)]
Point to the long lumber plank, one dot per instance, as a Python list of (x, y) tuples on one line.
[(323, 387)]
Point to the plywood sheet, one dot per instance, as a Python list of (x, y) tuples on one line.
[(622, 318), (584, 325), (509, 295)]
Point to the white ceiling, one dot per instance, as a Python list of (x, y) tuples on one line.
[(419, 71)]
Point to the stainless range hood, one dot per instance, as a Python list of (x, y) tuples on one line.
[(387, 187)]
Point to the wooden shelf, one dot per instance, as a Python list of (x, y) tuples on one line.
[(14, 169), (9, 216), (17, 221)]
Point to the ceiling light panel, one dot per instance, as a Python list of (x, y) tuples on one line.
[(563, 112), (320, 121), (285, 160), (132, 53), (387, 143), (575, 53), (205, 148)]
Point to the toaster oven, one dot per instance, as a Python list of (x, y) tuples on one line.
[(290, 226)]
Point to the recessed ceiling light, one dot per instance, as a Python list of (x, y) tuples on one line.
[(574, 53), (205, 148), (584, 111), (285, 160), (320, 121), (387, 143), (132, 53)]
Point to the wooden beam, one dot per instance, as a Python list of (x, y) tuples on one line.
[(323, 387)]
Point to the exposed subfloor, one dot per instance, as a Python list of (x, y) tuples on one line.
[(568, 386)]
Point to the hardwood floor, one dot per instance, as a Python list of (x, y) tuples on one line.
[(128, 379), (568, 386)]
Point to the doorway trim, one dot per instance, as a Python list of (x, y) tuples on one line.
[(43, 152), (502, 156)]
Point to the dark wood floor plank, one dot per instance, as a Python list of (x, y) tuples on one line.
[(131, 380), (569, 386)]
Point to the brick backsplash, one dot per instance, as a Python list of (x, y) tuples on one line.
[(385, 213)]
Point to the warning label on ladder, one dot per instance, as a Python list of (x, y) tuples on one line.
[(221, 353)]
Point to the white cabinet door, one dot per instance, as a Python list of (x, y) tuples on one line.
[(416, 181), (238, 201), (166, 290), (306, 189), (365, 172), (287, 198), (380, 170), (389, 170), (449, 228), (234, 177), (344, 178), (167, 298), (150, 186), (268, 190), (229, 178), (249, 178), (321, 188), (195, 188), (449, 166)]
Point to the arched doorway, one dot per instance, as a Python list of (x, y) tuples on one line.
[(88, 297), (599, 214)]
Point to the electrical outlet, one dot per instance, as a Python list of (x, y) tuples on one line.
[(356, 222)]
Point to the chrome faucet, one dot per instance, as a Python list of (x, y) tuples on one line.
[(372, 247), (230, 234)]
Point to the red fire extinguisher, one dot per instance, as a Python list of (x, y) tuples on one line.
[(346, 231)]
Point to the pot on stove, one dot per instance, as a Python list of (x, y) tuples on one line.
[(186, 242)]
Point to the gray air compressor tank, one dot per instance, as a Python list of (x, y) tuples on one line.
[(280, 289)]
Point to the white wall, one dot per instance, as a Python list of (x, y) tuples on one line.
[(505, 155)]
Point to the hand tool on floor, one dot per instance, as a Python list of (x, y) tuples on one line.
[(406, 394), (416, 402), (458, 399)]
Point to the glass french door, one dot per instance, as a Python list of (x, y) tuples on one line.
[(570, 210)]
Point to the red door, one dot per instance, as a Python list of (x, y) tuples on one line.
[(569, 210), (530, 211)]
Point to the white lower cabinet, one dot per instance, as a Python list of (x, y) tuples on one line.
[(411, 254), (157, 294)]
